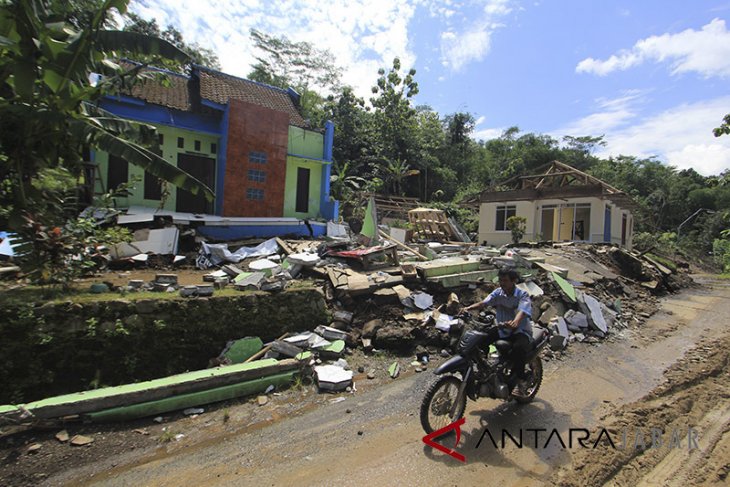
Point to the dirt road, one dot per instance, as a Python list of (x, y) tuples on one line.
[(374, 437)]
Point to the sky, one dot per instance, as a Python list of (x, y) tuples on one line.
[(651, 76)]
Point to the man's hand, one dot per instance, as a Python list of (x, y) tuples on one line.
[(513, 325)]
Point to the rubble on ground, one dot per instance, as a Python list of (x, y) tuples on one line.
[(405, 295)]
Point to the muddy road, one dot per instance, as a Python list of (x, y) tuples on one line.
[(670, 374)]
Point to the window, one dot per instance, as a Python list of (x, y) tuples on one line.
[(213, 148), (256, 176), (255, 194), (180, 142), (197, 146), (504, 212), (257, 157)]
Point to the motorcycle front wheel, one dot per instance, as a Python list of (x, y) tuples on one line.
[(442, 405)]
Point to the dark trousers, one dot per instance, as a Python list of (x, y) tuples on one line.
[(520, 349)]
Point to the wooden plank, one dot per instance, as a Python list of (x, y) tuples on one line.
[(403, 246), (263, 351), (285, 247)]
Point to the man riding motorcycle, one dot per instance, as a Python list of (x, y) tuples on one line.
[(514, 310)]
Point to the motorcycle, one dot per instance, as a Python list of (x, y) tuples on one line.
[(473, 372)]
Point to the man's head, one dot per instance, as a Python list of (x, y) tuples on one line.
[(507, 279)]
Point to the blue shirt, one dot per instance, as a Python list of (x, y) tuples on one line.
[(507, 308)]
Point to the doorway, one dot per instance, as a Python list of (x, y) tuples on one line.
[(202, 168)]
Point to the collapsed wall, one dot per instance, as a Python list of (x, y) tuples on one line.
[(56, 348)]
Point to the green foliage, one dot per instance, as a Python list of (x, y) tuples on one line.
[(517, 225), (721, 253), (724, 128), (49, 118), (198, 54), (284, 63)]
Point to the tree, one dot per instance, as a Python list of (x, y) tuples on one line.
[(394, 117), (197, 54), (48, 111), (517, 225), (724, 128), (300, 65)]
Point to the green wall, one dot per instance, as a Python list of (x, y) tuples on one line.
[(306, 143), (170, 151), (290, 187)]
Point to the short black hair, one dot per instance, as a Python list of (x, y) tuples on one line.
[(510, 272)]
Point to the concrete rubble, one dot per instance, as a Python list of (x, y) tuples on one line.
[(405, 296)]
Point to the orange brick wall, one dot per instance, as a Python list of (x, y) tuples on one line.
[(259, 129)]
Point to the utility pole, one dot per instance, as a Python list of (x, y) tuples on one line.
[(679, 228)]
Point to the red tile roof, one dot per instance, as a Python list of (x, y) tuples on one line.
[(216, 87), (220, 87), (173, 93)]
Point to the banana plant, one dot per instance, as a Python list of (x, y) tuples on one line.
[(48, 106)]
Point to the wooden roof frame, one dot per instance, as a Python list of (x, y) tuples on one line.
[(558, 181)]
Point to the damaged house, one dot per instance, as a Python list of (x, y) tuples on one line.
[(269, 170), (560, 203)]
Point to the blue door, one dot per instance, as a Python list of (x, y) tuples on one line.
[(607, 224)]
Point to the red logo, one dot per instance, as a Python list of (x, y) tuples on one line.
[(456, 425)]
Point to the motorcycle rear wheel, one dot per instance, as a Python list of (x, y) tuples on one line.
[(535, 368), (441, 398)]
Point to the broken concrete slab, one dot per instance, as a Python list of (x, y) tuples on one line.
[(343, 316), (205, 290), (266, 266), (286, 349), (547, 316), (169, 279), (329, 333), (551, 269), (576, 320), (188, 291), (531, 288), (230, 270), (332, 377), (596, 315), (562, 327), (305, 259), (246, 281)]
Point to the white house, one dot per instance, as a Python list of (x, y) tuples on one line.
[(560, 204)]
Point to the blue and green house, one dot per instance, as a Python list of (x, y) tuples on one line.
[(269, 170)]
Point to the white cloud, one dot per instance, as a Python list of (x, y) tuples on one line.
[(681, 136), (363, 35), (487, 134), (705, 51), (480, 120), (613, 113), (462, 46)]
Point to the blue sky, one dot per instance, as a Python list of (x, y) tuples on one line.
[(651, 75)]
